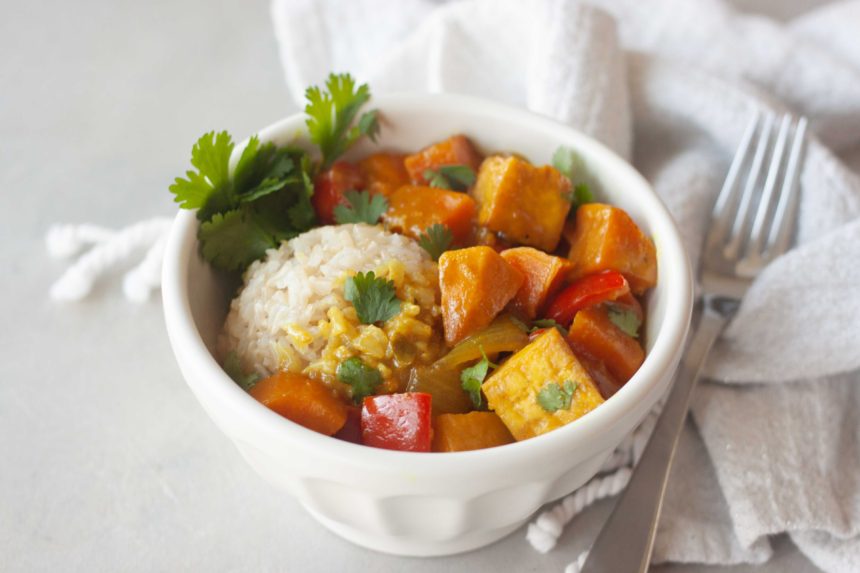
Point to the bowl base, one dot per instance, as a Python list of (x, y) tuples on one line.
[(406, 547)]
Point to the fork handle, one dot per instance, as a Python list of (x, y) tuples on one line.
[(625, 543)]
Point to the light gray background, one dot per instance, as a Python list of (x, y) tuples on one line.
[(106, 461)]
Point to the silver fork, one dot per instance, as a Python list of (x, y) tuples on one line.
[(751, 224)]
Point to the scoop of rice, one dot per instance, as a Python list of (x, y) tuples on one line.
[(291, 314)]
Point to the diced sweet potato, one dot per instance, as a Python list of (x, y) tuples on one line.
[(413, 209), (524, 203), (303, 400), (512, 390), (456, 150), (605, 381), (544, 275), (472, 431), (606, 238), (593, 332), (476, 284), (383, 173)]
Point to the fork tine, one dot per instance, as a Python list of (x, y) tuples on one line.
[(721, 216), (737, 235), (764, 207), (782, 227)]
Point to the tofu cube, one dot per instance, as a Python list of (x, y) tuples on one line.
[(512, 390)]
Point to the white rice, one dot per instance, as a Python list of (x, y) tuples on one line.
[(297, 283)]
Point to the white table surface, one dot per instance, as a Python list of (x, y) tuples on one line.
[(106, 461)]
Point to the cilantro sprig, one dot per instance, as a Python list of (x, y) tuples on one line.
[(361, 207), (454, 177), (332, 114), (374, 298), (554, 396), (570, 164), (625, 319), (436, 239), (362, 378), (542, 323), (233, 368), (472, 377), (265, 198)]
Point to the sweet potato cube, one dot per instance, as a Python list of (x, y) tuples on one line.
[(383, 173), (512, 390), (524, 203), (606, 238), (593, 332), (472, 431), (544, 274), (476, 284), (412, 209), (303, 400), (456, 150)]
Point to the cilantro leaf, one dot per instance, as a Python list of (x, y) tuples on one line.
[(211, 156), (362, 208), (547, 323), (302, 215), (553, 396), (362, 378), (373, 297), (471, 378), (566, 161), (582, 193), (570, 164), (234, 239), (436, 240), (264, 200), (368, 124), (454, 177), (625, 319), (331, 114), (233, 368)]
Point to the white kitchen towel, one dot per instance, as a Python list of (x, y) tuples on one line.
[(671, 84)]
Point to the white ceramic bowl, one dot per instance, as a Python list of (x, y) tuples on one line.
[(433, 504)]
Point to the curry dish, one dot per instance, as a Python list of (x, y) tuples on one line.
[(440, 299)]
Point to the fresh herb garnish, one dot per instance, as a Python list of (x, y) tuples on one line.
[(436, 240), (471, 378), (580, 194), (331, 115), (362, 378), (625, 319), (374, 298), (266, 197), (569, 163), (454, 177), (362, 207), (234, 239), (542, 323), (233, 368), (554, 396), (234, 209)]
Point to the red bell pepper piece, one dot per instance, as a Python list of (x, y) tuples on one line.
[(397, 422), (587, 291), (330, 186)]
